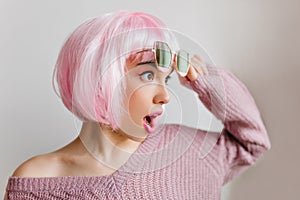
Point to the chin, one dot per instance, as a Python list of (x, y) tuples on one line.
[(134, 131)]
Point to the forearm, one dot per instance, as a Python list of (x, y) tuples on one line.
[(231, 102)]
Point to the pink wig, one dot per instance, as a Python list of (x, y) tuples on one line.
[(92, 61)]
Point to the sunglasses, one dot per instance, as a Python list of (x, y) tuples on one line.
[(164, 58)]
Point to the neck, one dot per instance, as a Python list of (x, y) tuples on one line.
[(112, 148)]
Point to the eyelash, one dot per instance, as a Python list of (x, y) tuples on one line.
[(142, 75), (167, 79), (145, 78)]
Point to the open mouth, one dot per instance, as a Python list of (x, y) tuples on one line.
[(149, 121)]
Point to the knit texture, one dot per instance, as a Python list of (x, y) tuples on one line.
[(173, 163)]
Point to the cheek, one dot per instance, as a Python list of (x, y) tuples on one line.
[(139, 104)]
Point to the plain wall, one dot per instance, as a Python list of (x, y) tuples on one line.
[(257, 40)]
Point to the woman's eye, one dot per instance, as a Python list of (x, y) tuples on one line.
[(147, 76)]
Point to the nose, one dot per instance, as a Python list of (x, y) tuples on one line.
[(162, 95)]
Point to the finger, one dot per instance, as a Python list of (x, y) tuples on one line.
[(204, 69), (184, 81), (199, 57), (192, 74), (197, 69), (199, 64)]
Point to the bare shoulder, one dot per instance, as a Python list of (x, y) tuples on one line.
[(39, 166), (48, 165)]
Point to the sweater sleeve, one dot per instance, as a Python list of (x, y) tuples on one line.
[(244, 138)]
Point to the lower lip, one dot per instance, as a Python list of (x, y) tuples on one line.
[(149, 128)]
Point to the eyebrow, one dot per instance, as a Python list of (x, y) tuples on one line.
[(148, 62), (153, 64)]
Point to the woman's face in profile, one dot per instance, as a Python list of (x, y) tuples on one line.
[(146, 93)]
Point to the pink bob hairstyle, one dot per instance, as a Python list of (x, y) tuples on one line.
[(92, 61)]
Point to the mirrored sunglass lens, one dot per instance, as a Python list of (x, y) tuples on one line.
[(163, 55), (183, 61), (163, 58)]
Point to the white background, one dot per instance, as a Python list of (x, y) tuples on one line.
[(257, 40)]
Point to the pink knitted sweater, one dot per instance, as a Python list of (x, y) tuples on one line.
[(168, 164)]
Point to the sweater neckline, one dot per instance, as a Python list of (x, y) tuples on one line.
[(112, 182), (137, 157)]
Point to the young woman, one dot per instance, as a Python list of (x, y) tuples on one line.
[(112, 74)]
